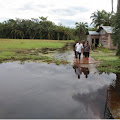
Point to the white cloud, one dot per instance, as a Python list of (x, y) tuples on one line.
[(57, 10)]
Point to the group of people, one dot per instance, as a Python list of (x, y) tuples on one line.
[(81, 47)]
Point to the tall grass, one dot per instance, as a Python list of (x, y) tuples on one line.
[(109, 61)]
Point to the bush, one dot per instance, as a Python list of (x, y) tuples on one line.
[(100, 45)]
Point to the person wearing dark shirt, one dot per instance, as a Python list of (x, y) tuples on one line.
[(83, 48), (87, 50)]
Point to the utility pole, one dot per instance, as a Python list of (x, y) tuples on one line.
[(118, 6), (112, 5)]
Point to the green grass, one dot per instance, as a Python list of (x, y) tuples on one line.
[(110, 66), (109, 61), (30, 44), (19, 49)]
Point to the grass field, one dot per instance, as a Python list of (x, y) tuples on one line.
[(30, 44), (19, 49), (109, 61)]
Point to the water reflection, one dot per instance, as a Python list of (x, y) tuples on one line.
[(42, 91), (112, 107), (93, 102), (79, 70)]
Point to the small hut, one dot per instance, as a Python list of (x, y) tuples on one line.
[(101, 36)]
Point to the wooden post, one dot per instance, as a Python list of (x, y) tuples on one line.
[(94, 42), (109, 41)]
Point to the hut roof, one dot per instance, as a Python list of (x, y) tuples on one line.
[(108, 29), (93, 33)]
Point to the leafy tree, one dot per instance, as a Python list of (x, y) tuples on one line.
[(116, 31), (91, 29)]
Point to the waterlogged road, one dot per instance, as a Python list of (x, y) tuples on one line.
[(41, 90)]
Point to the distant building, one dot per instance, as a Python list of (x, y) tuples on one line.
[(101, 36)]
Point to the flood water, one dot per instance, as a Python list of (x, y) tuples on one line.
[(41, 90)]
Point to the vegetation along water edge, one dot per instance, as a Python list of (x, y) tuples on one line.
[(109, 61)]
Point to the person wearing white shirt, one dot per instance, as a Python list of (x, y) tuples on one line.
[(79, 49)]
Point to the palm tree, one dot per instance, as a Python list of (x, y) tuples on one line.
[(98, 18), (81, 30), (108, 19), (101, 18)]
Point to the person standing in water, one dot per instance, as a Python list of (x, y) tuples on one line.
[(74, 49), (79, 49), (83, 48), (87, 50)]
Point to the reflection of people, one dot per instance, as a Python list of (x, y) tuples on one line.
[(79, 49), (79, 70), (86, 72)]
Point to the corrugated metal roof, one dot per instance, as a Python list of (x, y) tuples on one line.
[(108, 29), (93, 33)]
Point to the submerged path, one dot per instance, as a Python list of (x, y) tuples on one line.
[(91, 63)]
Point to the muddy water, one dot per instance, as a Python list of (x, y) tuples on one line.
[(41, 90)]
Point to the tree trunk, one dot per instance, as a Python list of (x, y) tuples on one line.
[(63, 37), (58, 36), (40, 35)]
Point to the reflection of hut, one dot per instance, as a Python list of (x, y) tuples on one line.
[(101, 36), (113, 99)]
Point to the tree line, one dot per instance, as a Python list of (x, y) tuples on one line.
[(42, 28), (34, 29)]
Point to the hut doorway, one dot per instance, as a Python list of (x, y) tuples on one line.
[(96, 42)]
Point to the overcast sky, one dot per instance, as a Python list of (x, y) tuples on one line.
[(66, 12)]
